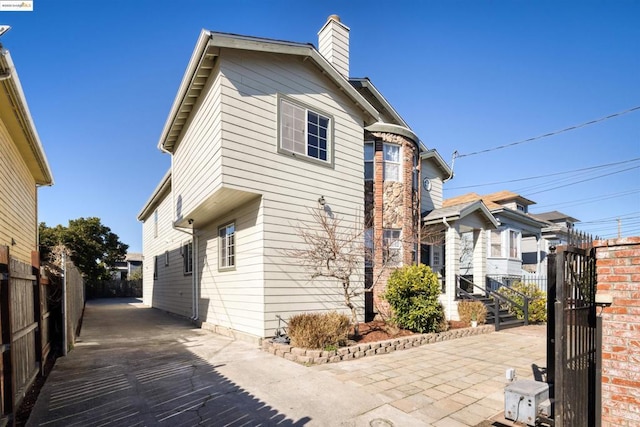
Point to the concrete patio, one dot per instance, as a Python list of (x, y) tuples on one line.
[(136, 366)]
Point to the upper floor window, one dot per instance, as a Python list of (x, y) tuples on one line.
[(305, 132), (227, 245), (392, 166), (369, 153)]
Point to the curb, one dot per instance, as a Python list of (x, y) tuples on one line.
[(317, 357)]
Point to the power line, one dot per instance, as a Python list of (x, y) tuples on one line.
[(588, 200), (581, 181), (546, 175), (546, 135)]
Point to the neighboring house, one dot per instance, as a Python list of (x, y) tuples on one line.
[(554, 233), (23, 166), (261, 133), (489, 252), (131, 263)]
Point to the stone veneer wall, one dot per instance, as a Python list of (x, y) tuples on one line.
[(391, 205), (618, 266), (315, 357)]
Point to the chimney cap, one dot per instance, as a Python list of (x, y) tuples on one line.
[(334, 17)]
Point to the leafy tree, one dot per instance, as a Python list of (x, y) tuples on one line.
[(94, 247), (412, 292)]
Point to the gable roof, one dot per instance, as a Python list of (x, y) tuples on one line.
[(15, 114), (202, 62), (458, 212), (492, 200)]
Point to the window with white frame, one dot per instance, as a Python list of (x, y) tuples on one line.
[(369, 153), (513, 244), (392, 246), (495, 242), (227, 245), (187, 255), (304, 131), (392, 166)]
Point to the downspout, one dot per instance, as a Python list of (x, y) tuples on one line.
[(453, 160)]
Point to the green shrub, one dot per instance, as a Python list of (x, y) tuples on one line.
[(537, 301), (319, 330), (472, 310), (412, 292)]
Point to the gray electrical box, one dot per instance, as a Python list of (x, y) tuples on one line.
[(524, 400)]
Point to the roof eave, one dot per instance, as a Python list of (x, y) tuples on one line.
[(214, 40), (154, 200), (433, 154), (42, 171)]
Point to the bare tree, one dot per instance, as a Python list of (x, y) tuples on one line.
[(332, 250)]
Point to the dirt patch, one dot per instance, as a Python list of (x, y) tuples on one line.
[(380, 331)]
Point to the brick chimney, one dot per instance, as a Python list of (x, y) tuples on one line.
[(333, 43)]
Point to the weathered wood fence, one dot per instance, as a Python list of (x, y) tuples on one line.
[(26, 324)]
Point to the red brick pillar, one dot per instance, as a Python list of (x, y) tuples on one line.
[(618, 266)]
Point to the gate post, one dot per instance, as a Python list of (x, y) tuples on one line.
[(551, 333)]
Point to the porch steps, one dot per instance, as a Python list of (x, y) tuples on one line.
[(507, 320)]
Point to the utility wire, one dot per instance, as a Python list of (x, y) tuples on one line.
[(588, 200), (546, 135), (581, 181), (546, 175)]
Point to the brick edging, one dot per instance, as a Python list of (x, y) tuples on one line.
[(317, 357)]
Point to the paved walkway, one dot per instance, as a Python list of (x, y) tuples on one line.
[(137, 366)]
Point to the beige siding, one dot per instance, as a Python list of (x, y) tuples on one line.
[(172, 290), (197, 158), (18, 201), (234, 298), (430, 200), (290, 186)]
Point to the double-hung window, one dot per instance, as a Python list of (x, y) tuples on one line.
[(513, 244), (227, 245), (391, 162), (392, 246), (304, 131), (369, 153)]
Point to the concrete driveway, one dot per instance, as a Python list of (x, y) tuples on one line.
[(138, 366)]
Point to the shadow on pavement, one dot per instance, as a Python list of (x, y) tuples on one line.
[(143, 373)]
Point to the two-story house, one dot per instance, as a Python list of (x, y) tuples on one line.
[(23, 166), (262, 133)]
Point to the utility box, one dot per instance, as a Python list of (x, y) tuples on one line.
[(525, 400)]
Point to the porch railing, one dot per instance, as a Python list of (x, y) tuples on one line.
[(498, 298)]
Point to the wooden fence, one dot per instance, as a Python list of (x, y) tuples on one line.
[(27, 323)]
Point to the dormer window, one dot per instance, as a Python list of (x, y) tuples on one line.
[(521, 208)]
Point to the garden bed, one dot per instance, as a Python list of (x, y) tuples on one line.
[(375, 338)]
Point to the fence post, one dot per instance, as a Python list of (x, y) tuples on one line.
[(6, 383), (526, 310)]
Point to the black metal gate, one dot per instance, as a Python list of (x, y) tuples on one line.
[(574, 334)]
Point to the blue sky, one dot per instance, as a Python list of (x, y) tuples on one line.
[(100, 77)]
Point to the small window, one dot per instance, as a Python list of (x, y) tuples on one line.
[(227, 245), (305, 132), (155, 268), (495, 241), (392, 246), (166, 258), (392, 164), (513, 244), (187, 258), (369, 153)]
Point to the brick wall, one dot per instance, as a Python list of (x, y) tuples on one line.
[(618, 265)]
